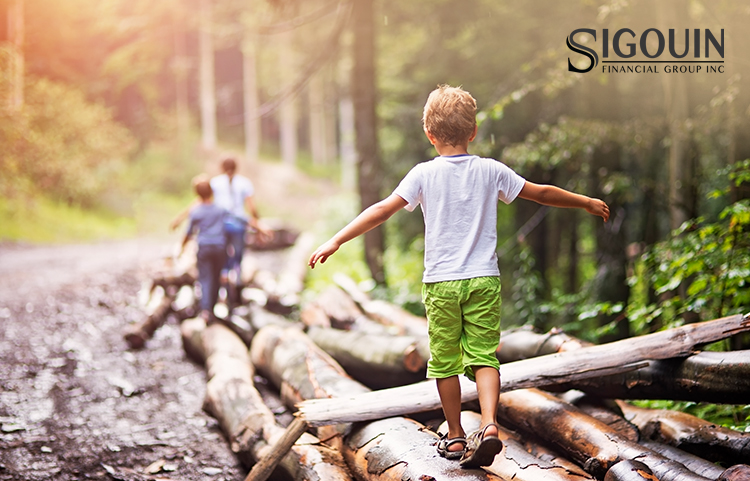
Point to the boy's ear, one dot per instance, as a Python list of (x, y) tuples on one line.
[(474, 134), (430, 137)]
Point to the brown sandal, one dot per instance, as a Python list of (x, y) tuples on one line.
[(481, 449), (443, 447)]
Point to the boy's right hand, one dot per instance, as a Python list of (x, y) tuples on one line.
[(598, 207), (322, 253)]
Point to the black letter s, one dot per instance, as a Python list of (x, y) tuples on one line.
[(585, 51)]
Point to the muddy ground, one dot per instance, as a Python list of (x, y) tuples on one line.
[(75, 402)]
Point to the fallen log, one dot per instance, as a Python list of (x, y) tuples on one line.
[(301, 370), (694, 463), (524, 343), (312, 315), (248, 423), (589, 442), (604, 410), (515, 462), (340, 309), (629, 470), (377, 361), (399, 449), (714, 377), (396, 448), (291, 278), (690, 433), (185, 304), (280, 238), (174, 280), (618, 356), (383, 312), (157, 310)]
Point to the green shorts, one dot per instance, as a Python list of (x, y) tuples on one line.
[(463, 324)]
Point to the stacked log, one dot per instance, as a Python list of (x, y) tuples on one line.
[(247, 422), (158, 308), (389, 449), (347, 344)]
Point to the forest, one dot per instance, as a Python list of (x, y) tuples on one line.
[(110, 107)]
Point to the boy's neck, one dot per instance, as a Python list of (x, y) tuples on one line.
[(207, 201), (446, 150)]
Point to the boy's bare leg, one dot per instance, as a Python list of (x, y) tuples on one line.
[(449, 390), (488, 390)]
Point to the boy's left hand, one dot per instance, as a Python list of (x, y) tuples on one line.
[(598, 207), (322, 253)]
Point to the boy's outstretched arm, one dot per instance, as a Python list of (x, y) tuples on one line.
[(557, 197), (370, 218)]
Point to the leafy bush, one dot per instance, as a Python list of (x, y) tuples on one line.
[(59, 144)]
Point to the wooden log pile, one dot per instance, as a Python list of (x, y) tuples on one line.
[(352, 369)]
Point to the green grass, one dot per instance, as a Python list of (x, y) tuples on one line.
[(730, 416), (40, 220), (141, 196)]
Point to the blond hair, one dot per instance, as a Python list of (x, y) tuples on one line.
[(450, 115)]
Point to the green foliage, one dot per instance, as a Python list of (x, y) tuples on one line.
[(59, 144), (726, 415), (703, 269)]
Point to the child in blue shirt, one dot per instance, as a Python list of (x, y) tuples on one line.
[(207, 224)]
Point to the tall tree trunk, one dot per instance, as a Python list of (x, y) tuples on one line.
[(207, 81), (365, 126), (317, 118), (673, 14), (611, 277), (14, 63), (250, 98), (288, 111), (182, 114), (347, 150)]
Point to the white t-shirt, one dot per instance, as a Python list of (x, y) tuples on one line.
[(232, 197), (459, 198)]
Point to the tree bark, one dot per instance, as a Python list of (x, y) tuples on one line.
[(396, 448), (377, 361), (383, 312), (250, 99), (516, 463), (16, 68), (695, 464), (288, 110), (207, 82), (537, 372), (628, 470), (341, 310), (400, 449), (365, 126), (317, 118), (524, 344), (673, 14), (591, 443), (248, 423), (690, 433), (604, 410), (715, 377), (157, 310)]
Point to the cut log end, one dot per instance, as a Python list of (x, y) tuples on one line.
[(739, 472), (413, 361)]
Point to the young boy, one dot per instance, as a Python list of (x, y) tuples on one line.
[(458, 193), (207, 219)]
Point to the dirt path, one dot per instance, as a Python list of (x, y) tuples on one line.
[(75, 403)]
